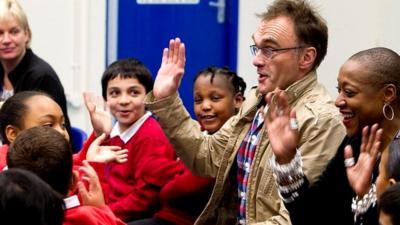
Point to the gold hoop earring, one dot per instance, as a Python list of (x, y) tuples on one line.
[(391, 111)]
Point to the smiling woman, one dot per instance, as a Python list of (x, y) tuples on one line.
[(368, 99)]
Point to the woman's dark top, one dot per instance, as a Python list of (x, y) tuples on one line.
[(328, 200), (35, 74)]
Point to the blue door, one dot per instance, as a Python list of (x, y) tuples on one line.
[(144, 27)]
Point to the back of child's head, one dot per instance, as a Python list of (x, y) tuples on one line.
[(45, 152), (393, 163), (125, 69), (236, 83), (14, 110), (389, 204), (389, 170), (26, 199)]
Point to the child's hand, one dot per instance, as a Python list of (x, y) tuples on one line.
[(105, 154), (92, 196), (99, 113), (171, 70)]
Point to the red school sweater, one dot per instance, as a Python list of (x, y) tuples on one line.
[(184, 197), (3, 156), (90, 215), (127, 191)]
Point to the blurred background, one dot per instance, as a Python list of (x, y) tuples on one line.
[(79, 38)]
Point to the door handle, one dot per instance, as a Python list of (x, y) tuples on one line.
[(220, 5)]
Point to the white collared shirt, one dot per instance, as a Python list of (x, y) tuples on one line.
[(71, 202), (128, 133)]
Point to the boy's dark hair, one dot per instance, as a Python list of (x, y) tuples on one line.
[(392, 166), (26, 199), (309, 26), (237, 83), (127, 68), (45, 152), (14, 110), (389, 203)]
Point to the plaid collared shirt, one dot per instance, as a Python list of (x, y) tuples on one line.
[(244, 159)]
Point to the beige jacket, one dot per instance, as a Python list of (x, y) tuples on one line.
[(215, 155)]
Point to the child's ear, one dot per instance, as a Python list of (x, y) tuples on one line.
[(392, 181), (238, 100), (74, 182), (11, 133)]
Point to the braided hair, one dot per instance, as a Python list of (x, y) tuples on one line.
[(236, 83)]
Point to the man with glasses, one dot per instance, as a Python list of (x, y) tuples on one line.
[(289, 44)]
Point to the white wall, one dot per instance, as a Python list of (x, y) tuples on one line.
[(70, 35)]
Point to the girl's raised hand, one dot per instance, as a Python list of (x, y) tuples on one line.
[(171, 70)]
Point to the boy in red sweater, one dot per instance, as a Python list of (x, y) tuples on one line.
[(45, 152), (129, 193)]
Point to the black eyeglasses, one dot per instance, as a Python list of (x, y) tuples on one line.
[(268, 52)]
